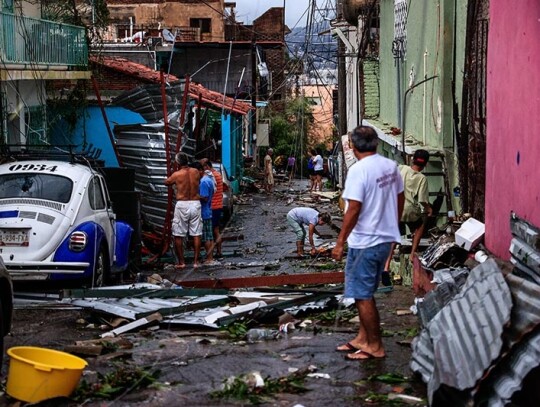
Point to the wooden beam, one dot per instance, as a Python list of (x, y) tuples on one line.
[(266, 281)]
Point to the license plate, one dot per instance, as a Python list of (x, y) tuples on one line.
[(13, 237)]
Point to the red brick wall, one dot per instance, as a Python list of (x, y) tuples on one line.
[(110, 80)]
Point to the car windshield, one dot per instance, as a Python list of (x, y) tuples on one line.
[(38, 186)]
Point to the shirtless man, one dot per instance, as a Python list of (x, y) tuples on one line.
[(187, 212)]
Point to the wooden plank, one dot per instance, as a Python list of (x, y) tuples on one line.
[(266, 281)]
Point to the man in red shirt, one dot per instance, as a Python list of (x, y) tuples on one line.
[(217, 203)]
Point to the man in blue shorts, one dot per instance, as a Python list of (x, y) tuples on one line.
[(374, 203), (206, 191)]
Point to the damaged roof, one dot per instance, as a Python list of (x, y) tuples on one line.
[(196, 91)]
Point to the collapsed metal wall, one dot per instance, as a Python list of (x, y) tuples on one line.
[(143, 147)]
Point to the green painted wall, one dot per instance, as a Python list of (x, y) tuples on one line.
[(430, 31)]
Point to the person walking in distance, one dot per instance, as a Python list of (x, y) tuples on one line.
[(298, 218), (311, 171), (416, 208), (268, 171), (187, 212), (217, 204), (374, 200), (318, 169)]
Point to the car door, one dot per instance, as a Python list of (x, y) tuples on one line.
[(103, 214)]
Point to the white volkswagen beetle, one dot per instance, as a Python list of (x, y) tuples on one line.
[(56, 222)]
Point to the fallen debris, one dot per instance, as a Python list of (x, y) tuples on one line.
[(133, 325), (253, 388)]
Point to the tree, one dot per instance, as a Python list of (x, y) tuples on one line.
[(289, 129)]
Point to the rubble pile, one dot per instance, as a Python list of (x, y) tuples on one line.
[(481, 329)]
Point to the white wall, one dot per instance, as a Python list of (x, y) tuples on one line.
[(19, 96)]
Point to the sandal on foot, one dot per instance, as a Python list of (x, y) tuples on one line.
[(347, 347), (362, 355)]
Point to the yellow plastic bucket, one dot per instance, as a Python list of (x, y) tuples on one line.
[(37, 374)]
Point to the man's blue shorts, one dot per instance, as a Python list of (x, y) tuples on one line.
[(363, 270), (216, 217)]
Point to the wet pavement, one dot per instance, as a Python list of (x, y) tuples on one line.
[(190, 364)]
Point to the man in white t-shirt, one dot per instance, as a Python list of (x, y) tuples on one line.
[(374, 204)]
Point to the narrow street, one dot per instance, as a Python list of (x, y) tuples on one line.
[(189, 364)]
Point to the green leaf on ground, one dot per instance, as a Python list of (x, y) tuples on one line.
[(390, 378)]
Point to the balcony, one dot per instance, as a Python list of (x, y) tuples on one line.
[(38, 43)]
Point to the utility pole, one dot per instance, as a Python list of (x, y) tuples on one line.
[(342, 79), (254, 100)]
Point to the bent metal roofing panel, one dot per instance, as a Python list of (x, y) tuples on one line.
[(466, 335)]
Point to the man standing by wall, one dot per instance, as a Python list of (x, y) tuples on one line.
[(187, 212), (217, 203), (417, 207), (416, 197), (206, 191), (374, 204), (268, 171)]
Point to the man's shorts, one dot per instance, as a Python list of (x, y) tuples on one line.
[(187, 218), (411, 225), (207, 230), (311, 172), (319, 173), (363, 270), (216, 217), (297, 229)]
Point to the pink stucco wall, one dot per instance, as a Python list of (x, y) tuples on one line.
[(513, 119)]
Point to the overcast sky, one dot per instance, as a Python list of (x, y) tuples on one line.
[(248, 10)]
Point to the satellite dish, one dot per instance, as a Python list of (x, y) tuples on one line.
[(167, 35)]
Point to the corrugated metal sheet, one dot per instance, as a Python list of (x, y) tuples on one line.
[(449, 283), (507, 377), (522, 338), (142, 147), (530, 234), (147, 100), (135, 308), (525, 254), (466, 335), (526, 310)]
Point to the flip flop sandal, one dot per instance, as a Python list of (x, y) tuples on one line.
[(367, 356), (349, 348)]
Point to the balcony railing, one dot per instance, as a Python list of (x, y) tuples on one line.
[(25, 40)]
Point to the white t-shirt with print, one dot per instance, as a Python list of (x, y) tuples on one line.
[(318, 163), (374, 181)]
